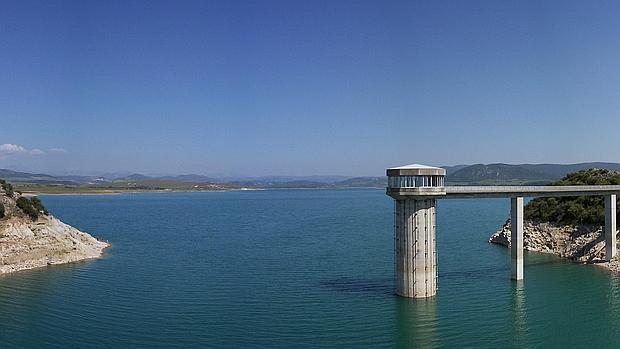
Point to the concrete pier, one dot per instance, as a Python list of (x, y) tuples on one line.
[(516, 237), (610, 226), (415, 251)]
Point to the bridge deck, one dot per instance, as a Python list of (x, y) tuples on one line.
[(454, 192)]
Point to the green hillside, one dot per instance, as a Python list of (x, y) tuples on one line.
[(497, 174), (574, 210)]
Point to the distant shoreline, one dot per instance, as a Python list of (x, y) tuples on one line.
[(121, 192)]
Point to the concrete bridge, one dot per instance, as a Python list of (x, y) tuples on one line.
[(415, 189)]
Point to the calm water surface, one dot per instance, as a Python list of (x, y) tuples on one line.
[(295, 268)]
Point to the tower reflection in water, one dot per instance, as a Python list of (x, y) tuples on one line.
[(520, 327), (416, 323)]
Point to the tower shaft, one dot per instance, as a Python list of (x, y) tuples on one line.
[(415, 251)]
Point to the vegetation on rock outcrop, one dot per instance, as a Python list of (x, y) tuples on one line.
[(26, 206), (33, 207), (574, 210), (38, 205), (7, 187)]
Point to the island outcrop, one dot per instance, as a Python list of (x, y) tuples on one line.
[(571, 228), (30, 237)]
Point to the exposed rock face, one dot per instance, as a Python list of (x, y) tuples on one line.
[(27, 244), (578, 243)]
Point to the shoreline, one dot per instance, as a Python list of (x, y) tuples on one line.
[(47, 241), (35, 193), (579, 244), (5, 273)]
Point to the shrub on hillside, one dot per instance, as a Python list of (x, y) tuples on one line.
[(26, 206), (1, 211), (7, 187), (38, 205), (574, 210)]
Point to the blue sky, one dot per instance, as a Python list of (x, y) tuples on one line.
[(305, 87)]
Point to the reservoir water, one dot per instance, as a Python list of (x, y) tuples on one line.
[(295, 269)]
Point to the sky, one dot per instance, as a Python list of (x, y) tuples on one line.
[(256, 88)]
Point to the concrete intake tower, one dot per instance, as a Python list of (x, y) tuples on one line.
[(414, 189)]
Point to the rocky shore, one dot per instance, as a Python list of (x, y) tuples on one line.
[(27, 243), (578, 243)]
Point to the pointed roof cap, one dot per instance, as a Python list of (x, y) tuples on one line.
[(412, 166), (416, 170)]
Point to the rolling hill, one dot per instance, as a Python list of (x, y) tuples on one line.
[(498, 174), (24, 177)]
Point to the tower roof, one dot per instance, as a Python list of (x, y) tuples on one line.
[(416, 170), (414, 166)]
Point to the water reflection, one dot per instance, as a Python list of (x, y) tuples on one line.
[(519, 315), (416, 323)]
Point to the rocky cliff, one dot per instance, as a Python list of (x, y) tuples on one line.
[(578, 243), (28, 242)]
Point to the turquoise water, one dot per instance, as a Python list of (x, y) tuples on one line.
[(295, 268)]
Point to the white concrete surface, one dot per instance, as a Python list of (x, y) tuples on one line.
[(415, 258), (610, 227)]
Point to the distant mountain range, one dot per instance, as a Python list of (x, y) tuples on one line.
[(15, 176), (498, 174), (479, 174)]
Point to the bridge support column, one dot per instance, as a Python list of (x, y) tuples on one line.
[(610, 226), (415, 252), (516, 237)]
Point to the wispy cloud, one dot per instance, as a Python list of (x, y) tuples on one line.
[(36, 151), (8, 149), (57, 150)]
